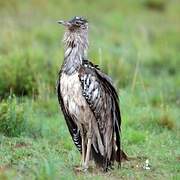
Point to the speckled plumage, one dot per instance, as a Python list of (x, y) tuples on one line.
[(88, 101)]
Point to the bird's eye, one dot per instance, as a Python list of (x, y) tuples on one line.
[(77, 23)]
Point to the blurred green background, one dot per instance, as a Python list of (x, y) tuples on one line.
[(137, 43)]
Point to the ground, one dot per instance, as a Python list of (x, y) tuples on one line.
[(135, 42)]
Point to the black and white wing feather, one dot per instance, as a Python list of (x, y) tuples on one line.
[(102, 98)]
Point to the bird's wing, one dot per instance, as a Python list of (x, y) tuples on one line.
[(102, 98), (70, 121)]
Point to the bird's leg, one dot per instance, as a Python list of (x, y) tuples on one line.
[(85, 165), (88, 150), (83, 146)]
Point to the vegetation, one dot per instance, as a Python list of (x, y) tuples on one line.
[(135, 42)]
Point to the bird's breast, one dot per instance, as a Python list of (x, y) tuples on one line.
[(73, 99)]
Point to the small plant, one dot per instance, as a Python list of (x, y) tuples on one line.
[(12, 117), (136, 137), (158, 5), (18, 76), (166, 121), (27, 73), (45, 171)]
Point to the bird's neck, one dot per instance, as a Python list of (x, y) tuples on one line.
[(76, 45)]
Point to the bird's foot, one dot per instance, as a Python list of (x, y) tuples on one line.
[(81, 168), (84, 168)]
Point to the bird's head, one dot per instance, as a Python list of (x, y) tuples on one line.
[(76, 24), (76, 34)]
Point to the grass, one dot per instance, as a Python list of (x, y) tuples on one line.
[(135, 42)]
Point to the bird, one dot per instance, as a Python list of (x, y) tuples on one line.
[(88, 100)]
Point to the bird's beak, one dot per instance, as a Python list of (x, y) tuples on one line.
[(64, 23)]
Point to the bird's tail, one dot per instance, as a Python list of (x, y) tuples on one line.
[(102, 161), (119, 154), (114, 147)]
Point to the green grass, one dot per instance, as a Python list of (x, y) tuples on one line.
[(135, 42)]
